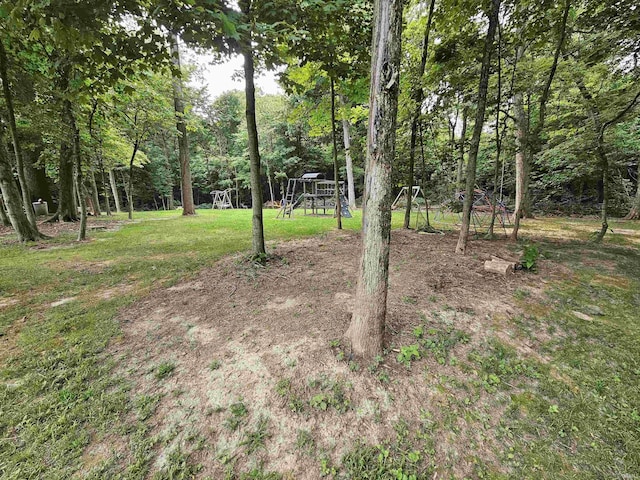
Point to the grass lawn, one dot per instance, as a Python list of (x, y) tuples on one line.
[(572, 410)]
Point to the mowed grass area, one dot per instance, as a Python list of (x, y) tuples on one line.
[(56, 391), (578, 417)]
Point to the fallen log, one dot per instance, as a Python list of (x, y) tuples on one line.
[(499, 266)]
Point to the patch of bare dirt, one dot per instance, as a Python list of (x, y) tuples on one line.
[(276, 323), (58, 228)]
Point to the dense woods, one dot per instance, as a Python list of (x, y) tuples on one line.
[(97, 109)]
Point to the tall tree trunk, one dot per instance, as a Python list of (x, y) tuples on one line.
[(423, 180), (67, 207), (167, 160), (336, 171), (13, 129), (36, 176), (604, 163), (417, 96), (94, 193), (70, 122), (252, 131), (12, 200), (105, 190), (188, 207), (351, 187), (114, 190), (136, 145), (599, 129), (268, 172), (531, 142), (463, 139), (522, 160), (496, 169), (3, 214), (235, 172), (477, 129), (634, 213), (366, 330)]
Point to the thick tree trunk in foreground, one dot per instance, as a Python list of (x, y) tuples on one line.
[(13, 202), (252, 131), (366, 330), (477, 129), (188, 207), (15, 140), (463, 139), (417, 95), (336, 171), (351, 187), (114, 190)]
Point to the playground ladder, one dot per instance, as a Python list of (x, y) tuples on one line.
[(289, 198)]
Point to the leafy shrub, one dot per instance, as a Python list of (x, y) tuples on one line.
[(530, 258)]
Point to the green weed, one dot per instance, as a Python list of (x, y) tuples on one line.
[(238, 412), (255, 439), (164, 370), (408, 353)]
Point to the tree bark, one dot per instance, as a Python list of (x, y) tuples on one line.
[(114, 190), (463, 139), (599, 129), (366, 330), (94, 193), (351, 187), (531, 139), (70, 122), (477, 128), (13, 201), (336, 170), (634, 213), (36, 176), (136, 145), (67, 207), (15, 140), (252, 130), (167, 159), (417, 96), (105, 190), (3, 214), (268, 172), (496, 169), (188, 207)]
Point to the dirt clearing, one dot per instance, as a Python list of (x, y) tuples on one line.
[(241, 367)]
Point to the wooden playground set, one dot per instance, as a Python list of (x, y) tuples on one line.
[(315, 196)]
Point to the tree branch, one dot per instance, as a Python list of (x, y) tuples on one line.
[(554, 66), (622, 112)]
